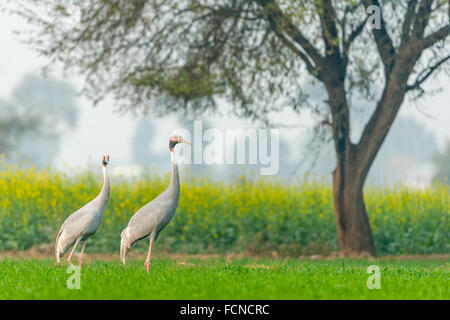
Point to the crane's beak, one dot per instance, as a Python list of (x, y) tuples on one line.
[(185, 141)]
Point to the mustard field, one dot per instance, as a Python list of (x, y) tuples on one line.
[(255, 216)]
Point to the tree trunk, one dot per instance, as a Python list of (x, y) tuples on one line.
[(354, 161), (352, 223), (353, 228)]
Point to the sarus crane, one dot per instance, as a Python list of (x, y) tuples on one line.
[(154, 216), (84, 222)]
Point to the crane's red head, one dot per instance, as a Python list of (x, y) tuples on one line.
[(174, 140), (105, 160)]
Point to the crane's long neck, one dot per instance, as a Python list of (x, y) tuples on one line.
[(175, 178), (103, 197)]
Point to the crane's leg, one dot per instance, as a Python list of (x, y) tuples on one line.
[(80, 258), (147, 261), (69, 259)]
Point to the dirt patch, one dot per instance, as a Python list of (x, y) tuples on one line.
[(46, 252), (404, 257)]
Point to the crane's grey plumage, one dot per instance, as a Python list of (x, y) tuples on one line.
[(84, 222), (154, 216)]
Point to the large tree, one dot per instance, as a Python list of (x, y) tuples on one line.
[(164, 56)]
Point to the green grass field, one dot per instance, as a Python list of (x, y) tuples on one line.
[(256, 217), (218, 279)]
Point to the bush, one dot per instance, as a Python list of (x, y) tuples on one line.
[(252, 215)]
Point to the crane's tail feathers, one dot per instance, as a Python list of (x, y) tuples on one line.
[(124, 246), (58, 253), (62, 243)]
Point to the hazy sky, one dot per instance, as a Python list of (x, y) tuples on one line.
[(101, 130)]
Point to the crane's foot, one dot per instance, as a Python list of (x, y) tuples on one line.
[(70, 262), (79, 264), (147, 266)]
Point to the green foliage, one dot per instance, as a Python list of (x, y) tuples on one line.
[(257, 216), (257, 55), (220, 279), (186, 83)]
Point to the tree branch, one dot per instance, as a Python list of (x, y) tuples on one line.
[(274, 12), (329, 31), (383, 40), (396, 86), (356, 32), (347, 42), (409, 16), (433, 37), (385, 112), (422, 18), (424, 75), (309, 66)]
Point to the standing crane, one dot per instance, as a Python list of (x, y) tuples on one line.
[(154, 216), (84, 222)]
